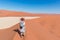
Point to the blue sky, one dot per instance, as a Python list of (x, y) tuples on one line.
[(33, 6)]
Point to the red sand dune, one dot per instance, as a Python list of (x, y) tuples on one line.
[(4, 13), (45, 28)]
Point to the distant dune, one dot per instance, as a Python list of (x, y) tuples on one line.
[(45, 28), (4, 13)]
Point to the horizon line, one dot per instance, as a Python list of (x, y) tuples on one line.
[(25, 11)]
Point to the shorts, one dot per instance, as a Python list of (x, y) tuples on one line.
[(22, 30)]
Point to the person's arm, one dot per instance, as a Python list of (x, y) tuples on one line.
[(24, 24)]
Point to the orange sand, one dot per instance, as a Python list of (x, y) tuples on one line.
[(45, 28)]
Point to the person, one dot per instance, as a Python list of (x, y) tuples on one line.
[(22, 27)]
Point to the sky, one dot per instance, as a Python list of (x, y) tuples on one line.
[(32, 6)]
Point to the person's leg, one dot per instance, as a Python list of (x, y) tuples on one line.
[(23, 34)]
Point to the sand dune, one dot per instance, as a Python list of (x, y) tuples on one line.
[(5, 13), (47, 27), (8, 34), (7, 22)]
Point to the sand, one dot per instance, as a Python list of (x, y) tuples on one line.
[(7, 22), (47, 27)]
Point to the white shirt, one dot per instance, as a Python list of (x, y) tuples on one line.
[(22, 23)]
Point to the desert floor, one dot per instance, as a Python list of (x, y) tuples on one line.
[(47, 27)]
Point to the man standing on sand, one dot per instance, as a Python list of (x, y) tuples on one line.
[(22, 27)]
